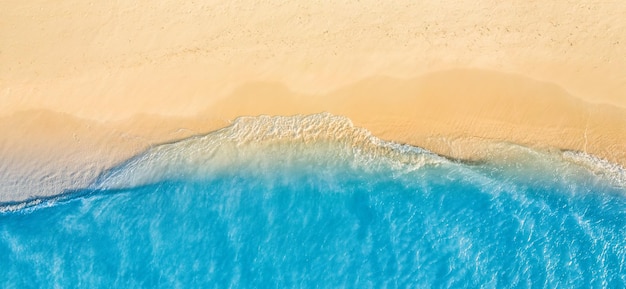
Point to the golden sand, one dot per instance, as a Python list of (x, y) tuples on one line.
[(85, 85)]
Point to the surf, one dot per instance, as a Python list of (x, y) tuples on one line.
[(313, 201)]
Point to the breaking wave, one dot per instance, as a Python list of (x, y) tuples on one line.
[(258, 143)]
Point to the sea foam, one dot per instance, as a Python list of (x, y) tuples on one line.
[(258, 142), (314, 202), (263, 142)]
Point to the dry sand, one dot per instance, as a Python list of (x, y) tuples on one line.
[(84, 85)]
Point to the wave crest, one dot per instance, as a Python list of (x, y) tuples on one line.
[(265, 141), (614, 173)]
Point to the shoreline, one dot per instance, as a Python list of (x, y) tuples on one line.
[(504, 156), (57, 151), (86, 85)]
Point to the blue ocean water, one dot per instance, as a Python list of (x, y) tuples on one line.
[(312, 202)]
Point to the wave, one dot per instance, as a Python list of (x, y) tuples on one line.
[(263, 144), (612, 172), (266, 141), (280, 201)]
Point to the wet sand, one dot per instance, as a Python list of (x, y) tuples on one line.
[(461, 114)]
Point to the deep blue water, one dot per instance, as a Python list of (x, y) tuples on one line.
[(312, 223)]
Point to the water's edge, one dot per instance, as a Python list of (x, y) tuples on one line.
[(251, 135)]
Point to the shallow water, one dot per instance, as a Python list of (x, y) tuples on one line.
[(313, 202)]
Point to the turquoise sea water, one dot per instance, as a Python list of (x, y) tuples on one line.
[(312, 202)]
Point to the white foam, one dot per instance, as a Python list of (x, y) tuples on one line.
[(320, 140), (259, 142), (600, 167)]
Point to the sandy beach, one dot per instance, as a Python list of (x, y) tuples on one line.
[(84, 86)]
